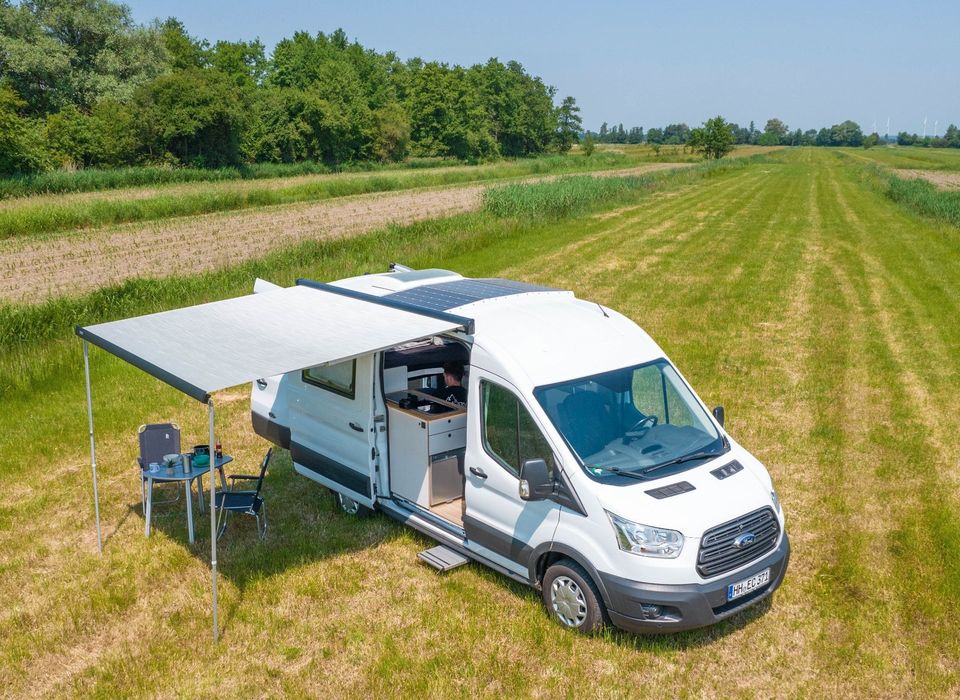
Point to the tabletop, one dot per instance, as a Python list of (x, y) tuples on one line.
[(178, 474)]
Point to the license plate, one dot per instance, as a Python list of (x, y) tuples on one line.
[(748, 585)]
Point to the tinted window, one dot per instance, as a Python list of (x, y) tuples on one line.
[(509, 433), (339, 378)]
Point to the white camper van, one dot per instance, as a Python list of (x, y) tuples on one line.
[(575, 459)]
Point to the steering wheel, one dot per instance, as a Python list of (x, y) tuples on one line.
[(641, 427)]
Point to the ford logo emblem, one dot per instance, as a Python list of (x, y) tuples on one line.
[(745, 540)]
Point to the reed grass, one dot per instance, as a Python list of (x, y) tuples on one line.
[(41, 217), (577, 194)]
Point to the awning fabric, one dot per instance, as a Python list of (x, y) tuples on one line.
[(259, 335)]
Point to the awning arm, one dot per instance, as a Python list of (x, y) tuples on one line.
[(464, 322), (163, 375), (93, 448)]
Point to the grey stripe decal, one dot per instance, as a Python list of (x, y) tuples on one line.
[(333, 470)]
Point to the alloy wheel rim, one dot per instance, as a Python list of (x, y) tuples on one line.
[(348, 505), (568, 601)]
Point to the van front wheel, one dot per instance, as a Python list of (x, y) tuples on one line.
[(572, 598)]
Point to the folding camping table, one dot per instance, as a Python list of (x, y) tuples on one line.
[(178, 474)]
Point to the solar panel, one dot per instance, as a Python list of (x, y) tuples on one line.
[(449, 295)]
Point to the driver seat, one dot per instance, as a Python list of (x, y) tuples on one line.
[(587, 422)]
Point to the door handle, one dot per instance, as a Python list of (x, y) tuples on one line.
[(478, 472), (355, 426)]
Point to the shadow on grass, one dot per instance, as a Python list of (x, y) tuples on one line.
[(305, 526), (653, 643)]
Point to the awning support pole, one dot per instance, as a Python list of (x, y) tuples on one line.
[(93, 449), (213, 519)]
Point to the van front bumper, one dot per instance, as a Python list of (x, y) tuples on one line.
[(687, 606)]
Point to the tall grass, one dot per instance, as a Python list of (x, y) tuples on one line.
[(570, 196), (917, 195), (33, 217), (925, 198), (92, 179)]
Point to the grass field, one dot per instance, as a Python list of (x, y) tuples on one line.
[(911, 157), (791, 290), (45, 213)]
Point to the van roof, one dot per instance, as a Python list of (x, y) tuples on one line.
[(546, 333)]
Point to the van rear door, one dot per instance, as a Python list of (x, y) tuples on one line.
[(331, 427)]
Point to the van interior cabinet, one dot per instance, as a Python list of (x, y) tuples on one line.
[(426, 454)]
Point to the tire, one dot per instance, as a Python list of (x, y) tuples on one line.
[(572, 598), (350, 506)]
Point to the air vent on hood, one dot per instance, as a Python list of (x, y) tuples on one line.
[(671, 490), (727, 470)]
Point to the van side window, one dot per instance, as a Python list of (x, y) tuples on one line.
[(339, 378), (510, 434)]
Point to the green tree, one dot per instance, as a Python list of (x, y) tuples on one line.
[(391, 135), (193, 115), (714, 139), (588, 145), (846, 133), (244, 61), (676, 134), (21, 144), (75, 52), (183, 51), (569, 124), (952, 136), (774, 133)]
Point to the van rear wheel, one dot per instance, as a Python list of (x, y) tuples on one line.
[(572, 598), (350, 506)]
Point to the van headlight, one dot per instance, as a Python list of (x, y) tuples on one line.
[(646, 540), (775, 499)]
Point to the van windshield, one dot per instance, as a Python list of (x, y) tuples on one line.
[(638, 421)]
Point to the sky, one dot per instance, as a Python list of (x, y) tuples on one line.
[(809, 64)]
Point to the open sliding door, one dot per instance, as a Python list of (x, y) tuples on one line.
[(331, 427)]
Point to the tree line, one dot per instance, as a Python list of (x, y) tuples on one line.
[(83, 85), (775, 133)]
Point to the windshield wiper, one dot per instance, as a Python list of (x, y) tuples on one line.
[(704, 454), (618, 471)]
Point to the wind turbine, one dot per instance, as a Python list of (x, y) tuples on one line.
[(924, 127), (886, 136), (936, 125)]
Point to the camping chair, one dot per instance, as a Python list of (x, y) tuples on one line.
[(156, 440), (247, 502)]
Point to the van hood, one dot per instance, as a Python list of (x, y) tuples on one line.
[(710, 502)]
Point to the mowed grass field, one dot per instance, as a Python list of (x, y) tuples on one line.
[(821, 315)]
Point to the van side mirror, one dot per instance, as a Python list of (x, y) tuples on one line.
[(718, 414), (535, 481)]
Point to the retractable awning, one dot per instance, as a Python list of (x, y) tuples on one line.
[(202, 349), (260, 335)]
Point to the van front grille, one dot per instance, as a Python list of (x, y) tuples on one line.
[(719, 550)]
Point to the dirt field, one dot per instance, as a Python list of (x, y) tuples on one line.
[(943, 179), (35, 269)]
